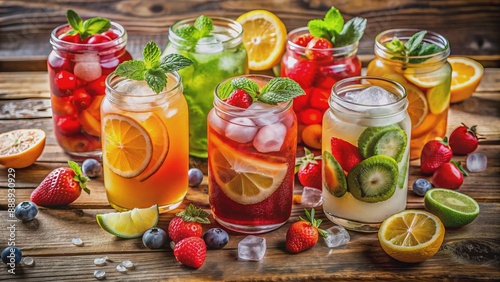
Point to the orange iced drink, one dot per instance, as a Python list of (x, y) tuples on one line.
[(145, 144)]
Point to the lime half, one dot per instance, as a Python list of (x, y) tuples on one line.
[(453, 208), (129, 224)]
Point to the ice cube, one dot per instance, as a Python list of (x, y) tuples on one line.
[(77, 242), (311, 197), (241, 129), (264, 116), (121, 268), (28, 261), (270, 138), (337, 236), (138, 88), (99, 274), (100, 261), (217, 123), (373, 95), (209, 45), (128, 264), (476, 162), (252, 248)]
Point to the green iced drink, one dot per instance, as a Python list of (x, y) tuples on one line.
[(215, 47)]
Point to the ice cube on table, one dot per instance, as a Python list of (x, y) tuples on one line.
[(241, 129), (264, 115), (270, 138), (373, 95), (311, 197), (252, 248), (209, 45), (476, 162), (337, 236)]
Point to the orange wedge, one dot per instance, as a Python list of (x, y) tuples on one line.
[(264, 37), (21, 147), (466, 76), (127, 147), (417, 105)]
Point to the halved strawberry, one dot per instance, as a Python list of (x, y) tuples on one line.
[(346, 153)]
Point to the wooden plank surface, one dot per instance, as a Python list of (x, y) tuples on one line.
[(470, 26), (470, 253)]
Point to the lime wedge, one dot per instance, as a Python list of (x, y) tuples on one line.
[(455, 209), (129, 224)]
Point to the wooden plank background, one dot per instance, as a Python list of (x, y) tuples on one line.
[(471, 26)]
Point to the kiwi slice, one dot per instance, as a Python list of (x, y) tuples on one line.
[(334, 178), (370, 136), (403, 168), (392, 143), (374, 179)]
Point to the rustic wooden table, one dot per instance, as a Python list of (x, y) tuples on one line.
[(468, 253)]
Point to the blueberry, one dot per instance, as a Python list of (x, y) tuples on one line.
[(12, 255), (154, 238), (195, 177), (91, 168), (421, 186), (215, 238), (26, 211)]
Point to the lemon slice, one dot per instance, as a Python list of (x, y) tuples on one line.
[(417, 105), (264, 37), (21, 147), (439, 97), (127, 147), (465, 77), (411, 235), (129, 224), (243, 178), (427, 79), (161, 142)]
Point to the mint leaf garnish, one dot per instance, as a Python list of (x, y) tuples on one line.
[(202, 27), (153, 69), (414, 47), (88, 27), (280, 89), (277, 90), (332, 27)]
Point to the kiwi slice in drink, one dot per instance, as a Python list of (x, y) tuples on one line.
[(370, 136), (334, 177), (403, 168), (374, 179), (392, 143)]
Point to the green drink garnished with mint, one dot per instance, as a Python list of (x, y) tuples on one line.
[(215, 47)]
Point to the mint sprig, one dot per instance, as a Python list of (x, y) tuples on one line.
[(153, 69), (202, 27), (277, 90), (332, 27), (414, 47), (88, 27)]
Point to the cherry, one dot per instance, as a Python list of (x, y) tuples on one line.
[(62, 106), (65, 82), (81, 99), (110, 34), (67, 125), (97, 87)]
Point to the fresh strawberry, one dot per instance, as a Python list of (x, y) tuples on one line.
[(239, 98), (191, 252), (464, 140), (187, 223), (309, 169), (319, 49), (303, 234), (61, 186), (345, 153), (449, 175), (434, 154), (310, 116), (303, 39), (319, 99), (301, 102), (303, 72)]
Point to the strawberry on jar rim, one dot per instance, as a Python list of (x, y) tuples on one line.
[(464, 140), (239, 98)]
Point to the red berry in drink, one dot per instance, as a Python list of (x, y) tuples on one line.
[(239, 98), (318, 49), (110, 34), (319, 99), (72, 38), (301, 102), (97, 87), (67, 125), (81, 99), (303, 39), (303, 72), (98, 38), (64, 80), (310, 116), (62, 106)]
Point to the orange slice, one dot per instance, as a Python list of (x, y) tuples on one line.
[(466, 76), (127, 147), (417, 105), (411, 235), (161, 143), (264, 37), (21, 147)]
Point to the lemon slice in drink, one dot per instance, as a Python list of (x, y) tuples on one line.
[(129, 224), (243, 178), (127, 146), (455, 209), (439, 97), (411, 235)]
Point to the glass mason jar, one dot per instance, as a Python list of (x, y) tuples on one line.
[(366, 146), (427, 80), (145, 149), (215, 58), (251, 163), (77, 74), (316, 75)]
